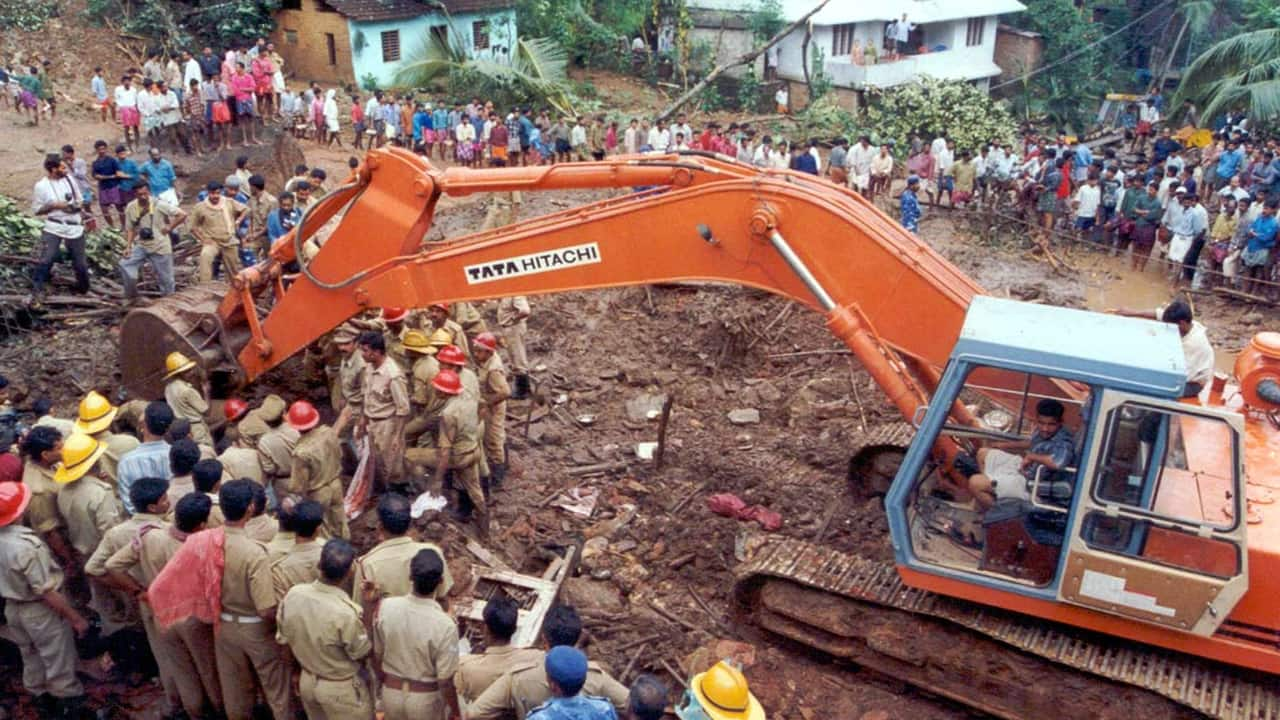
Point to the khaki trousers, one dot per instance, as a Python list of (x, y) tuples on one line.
[(194, 669), (401, 705), (513, 337), (495, 435), (230, 262), (246, 651), (466, 470), (48, 647), (162, 651), (335, 514), (322, 699), (388, 447)]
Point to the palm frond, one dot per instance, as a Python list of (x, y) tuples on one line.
[(541, 58), (1217, 79)]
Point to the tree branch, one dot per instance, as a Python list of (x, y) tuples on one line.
[(742, 59)]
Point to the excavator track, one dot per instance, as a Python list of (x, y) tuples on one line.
[(859, 609)]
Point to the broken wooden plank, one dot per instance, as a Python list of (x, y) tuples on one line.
[(666, 614), (488, 558), (597, 468)]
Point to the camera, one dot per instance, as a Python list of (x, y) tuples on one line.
[(146, 233)]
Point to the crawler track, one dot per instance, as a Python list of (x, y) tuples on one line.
[(1004, 664)]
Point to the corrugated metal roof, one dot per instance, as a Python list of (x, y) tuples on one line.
[(839, 12), (369, 10)]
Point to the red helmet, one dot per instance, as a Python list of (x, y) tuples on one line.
[(302, 416), (235, 409), (442, 305), (487, 341), (452, 355), (394, 314), (447, 382), (14, 497)]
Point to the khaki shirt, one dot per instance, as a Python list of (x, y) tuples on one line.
[(117, 445), (351, 382), (456, 332), (386, 391), (158, 216), (301, 564), (415, 639), (459, 425), (322, 628), (470, 384), (260, 206), (216, 518), (89, 506), (179, 487), (27, 567), (281, 544), (525, 688), (118, 537), (424, 371), (241, 462), (261, 528), (467, 316), (189, 403), (144, 558), (477, 672), (275, 450), (510, 310), (493, 383), (246, 576), (387, 565), (42, 511), (216, 224), (317, 462)]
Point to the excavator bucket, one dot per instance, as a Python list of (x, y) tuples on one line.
[(186, 322)]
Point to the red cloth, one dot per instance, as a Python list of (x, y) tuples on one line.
[(190, 585), (730, 505), (10, 468)]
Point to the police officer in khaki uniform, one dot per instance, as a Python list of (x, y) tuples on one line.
[(393, 321), (468, 317), (457, 449), (317, 467), (416, 644), (261, 420), (85, 500), (477, 672), (386, 408), (526, 687), (322, 629), (300, 564), (425, 402), (513, 315), (42, 448), (243, 643), (452, 357), (40, 620), (438, 319), (384, 564), (96, 416), (276, 445), (187, 402), (494, 391), (122, 608), (350, 394)]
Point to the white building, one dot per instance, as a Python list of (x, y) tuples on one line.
[(951, 39)]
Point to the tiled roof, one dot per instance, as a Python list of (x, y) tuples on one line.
[(369, 10)]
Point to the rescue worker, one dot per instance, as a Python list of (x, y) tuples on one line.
[(477, 672), (438, 319), (350, 393), (239, 459), (321, 628), (457, 449), (42, 448), (183, 456), (385, 409), (468, 317), (276, 445), (393, 324), (207, 475), (233, 411), (38, 617), (96, 416), (300, 564), (243, 643), (316, 473), (566, 671), (424, 400), (416, 645), (513, 315), (259, 421), (282, 542), (647, 699), (383, 566), (85, 501), (261, 526), (186, 648), (494, 391), (186, 401), (525, 687), (453, 357), (720, 693)]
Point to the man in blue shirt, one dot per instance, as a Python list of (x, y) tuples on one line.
[(421, 121), (1163, 145), (1261, 242), (1229, 164), (1084, 158), (129, 172), (525, 134), (566, 669), (911, 205), (160, 176), (282, 219), (151, 458)]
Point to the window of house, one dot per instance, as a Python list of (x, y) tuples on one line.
[(480, 34), (331, 44), (842, 39), (291, 37), (391, 46), (974, 35), (440, 33), (291, 5)]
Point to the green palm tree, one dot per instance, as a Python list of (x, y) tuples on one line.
[(1240, 71), (535, 69)]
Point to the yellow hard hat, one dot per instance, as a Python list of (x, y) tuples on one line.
[(96, 414), (722, 692), (441, 337), (79, 453), (416, 341), (176, 363)]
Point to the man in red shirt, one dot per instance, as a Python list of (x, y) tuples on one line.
[(242, 87)]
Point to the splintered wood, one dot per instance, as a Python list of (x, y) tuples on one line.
[(533, 595)]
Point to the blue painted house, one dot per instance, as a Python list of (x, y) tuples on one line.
[(348, 40)]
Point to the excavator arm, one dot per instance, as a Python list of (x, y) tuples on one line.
[(894, 301)]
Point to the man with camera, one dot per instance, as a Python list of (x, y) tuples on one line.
[(57, 199), (148, 223)]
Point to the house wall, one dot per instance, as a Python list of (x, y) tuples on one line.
[(413, 34), (728, 44), (307, 58), (1017, 52)]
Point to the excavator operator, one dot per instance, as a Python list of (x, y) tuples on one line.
[(1000, 474)]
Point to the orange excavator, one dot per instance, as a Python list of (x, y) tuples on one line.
[(1141, 578)]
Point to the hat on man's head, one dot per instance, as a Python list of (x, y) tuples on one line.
[(567, 666)]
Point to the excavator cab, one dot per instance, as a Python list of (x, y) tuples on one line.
[(1146, 521)]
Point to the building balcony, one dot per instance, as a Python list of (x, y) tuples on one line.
[(960, 64)]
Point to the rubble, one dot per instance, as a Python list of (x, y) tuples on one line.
[(744, 416)]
